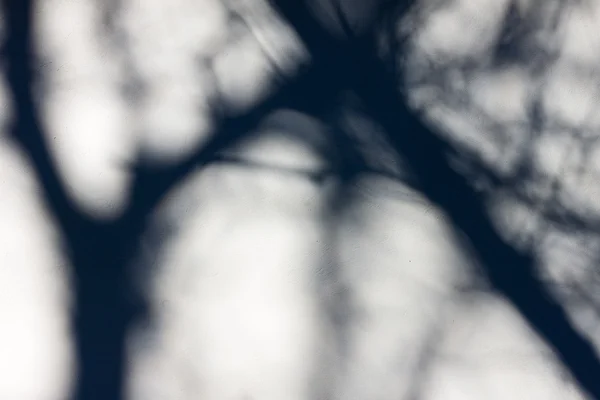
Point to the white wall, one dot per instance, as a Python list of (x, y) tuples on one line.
[(239, 289)]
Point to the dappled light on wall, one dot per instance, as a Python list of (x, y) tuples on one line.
[(244, 206)]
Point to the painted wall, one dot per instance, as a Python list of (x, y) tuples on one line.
[(258, 293)]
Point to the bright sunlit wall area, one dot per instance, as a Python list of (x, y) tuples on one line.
[(257, 291)]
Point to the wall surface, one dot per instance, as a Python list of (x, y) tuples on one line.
[(258, 292)]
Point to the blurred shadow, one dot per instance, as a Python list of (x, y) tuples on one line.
[(349, 88), (510, 271)]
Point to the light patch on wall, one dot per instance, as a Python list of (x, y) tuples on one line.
[(570, 97), (90, 144), (464, 28), (579, 32), (461, 128), (243, 86), (490, 352), (174, 43), (503, 94), (167, 40), (36, 362), (174, 119), (86, 119), (401, 264), (288, 139), (243, 316)]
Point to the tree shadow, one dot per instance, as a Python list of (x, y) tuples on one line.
[(102, 252)]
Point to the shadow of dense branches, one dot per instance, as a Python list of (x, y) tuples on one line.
[(101, 251), (510, 271)]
